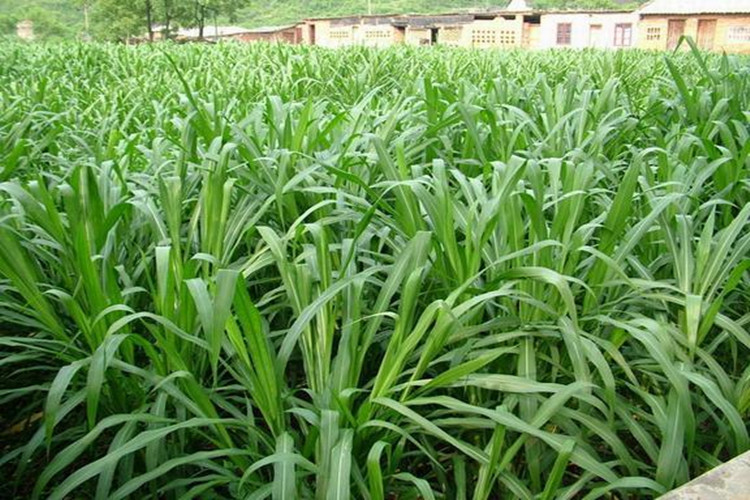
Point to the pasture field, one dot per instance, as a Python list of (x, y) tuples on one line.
[(287, 272)]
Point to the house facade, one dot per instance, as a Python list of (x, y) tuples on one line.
[(373, 31), (601, 30), (719, 25), (490, 29), (447, 29), (722, 25), (500, 29)]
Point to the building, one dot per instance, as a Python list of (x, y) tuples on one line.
[(443, 29), (714, 24), (281, 34), (517, 26), (374, 31), (503, 29), (720, 25), (25, 30), (595, 29)]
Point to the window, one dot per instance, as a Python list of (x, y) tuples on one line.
[(377, 34), (534, 19), (507, 37), (563, 33), (653, 34), (623, 35), (483, 37), (738, 34), (339, 34)]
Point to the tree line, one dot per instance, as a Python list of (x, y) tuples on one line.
[(125, 18), (116, 19)]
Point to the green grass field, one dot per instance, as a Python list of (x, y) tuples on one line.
[(250, 271)]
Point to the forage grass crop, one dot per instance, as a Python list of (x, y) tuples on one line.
[(286, 272)]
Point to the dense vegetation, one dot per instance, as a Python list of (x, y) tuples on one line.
[(275, 271), (57, 19), (54, 20)]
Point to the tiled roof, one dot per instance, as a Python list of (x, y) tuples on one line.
[(212, 31), (221, 31)]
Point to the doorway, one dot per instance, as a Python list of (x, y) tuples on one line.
[(434, 35), (706, 33), (595, 35), (400, 34), (674, 33), (312, 34)]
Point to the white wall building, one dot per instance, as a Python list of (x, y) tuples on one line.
[(578, 30)]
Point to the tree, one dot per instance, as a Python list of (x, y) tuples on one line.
[(46, 26), (148, 8), (168, 13), (121, 19), (203, 10), (85, 6), (118, 19)]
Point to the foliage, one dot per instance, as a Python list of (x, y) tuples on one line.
[(117, 20), (250, 271), (8, 24), (47, 27), (54, 19), (585, 4)]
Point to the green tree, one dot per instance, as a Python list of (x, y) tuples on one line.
[(204, 10), (120, 19), (85, 6), (47, 27)]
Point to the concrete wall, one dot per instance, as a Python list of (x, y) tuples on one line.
[(449, 34), (380, 35), (732, 32), (729, 481), (331, 33), (582, 35), (327, 35), (418, 36), (499, 32)]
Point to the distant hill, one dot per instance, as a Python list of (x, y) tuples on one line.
[(283, 11), (270, 12), (59, 19)]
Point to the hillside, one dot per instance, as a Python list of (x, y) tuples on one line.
[(56, 19), (53, 19), (284, 11)]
